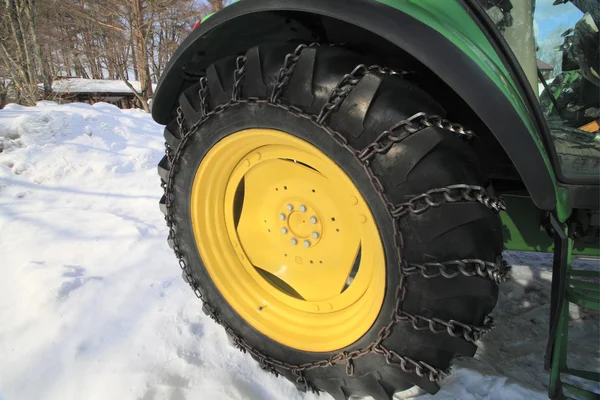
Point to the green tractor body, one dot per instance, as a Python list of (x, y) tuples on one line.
[(479, 60)]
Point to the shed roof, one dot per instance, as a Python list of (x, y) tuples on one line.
[(81, 85)]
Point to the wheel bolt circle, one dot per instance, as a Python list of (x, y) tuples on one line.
[(289, 207), (294, 241), (306, 243), (313, 220), (284, 230), (315, 235), (303, 208), (282, 216)]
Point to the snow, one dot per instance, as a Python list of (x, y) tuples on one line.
[(93, 305), (80, 85)]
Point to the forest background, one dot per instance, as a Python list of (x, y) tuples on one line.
[(127, 40)]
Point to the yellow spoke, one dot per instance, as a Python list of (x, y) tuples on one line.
[(290, 233)]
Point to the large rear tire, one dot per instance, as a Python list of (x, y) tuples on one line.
[(428, 235)]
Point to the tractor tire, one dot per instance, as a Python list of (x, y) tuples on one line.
[(283, 115)]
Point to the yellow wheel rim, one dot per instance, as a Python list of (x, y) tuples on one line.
[(288, 240)]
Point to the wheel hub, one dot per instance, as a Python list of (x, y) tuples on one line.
[(301, 223)]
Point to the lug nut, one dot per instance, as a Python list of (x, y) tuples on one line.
[(313, 220), (306, 243), (315, 235), (289, 207), (284, 230), (303, 208), (294, 241), (282, 216)]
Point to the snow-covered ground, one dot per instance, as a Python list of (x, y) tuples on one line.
[(92, 304)]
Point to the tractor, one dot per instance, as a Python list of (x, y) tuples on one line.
[(341, 178)]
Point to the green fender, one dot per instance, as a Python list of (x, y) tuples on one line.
[(447, 36)]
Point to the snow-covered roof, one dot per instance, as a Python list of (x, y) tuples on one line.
[(80, 85)]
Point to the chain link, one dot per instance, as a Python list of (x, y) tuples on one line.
[(347, 84), (238, 77), (168, 151), (449, 194), (496, 271), (409, 365), (203, 94), (453, 328), (417, 204), (285, 73), (403, 129), (442, 123), (169, 154)]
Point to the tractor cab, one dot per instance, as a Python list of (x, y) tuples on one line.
[(557, 45)]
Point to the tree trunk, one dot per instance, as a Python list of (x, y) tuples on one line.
[(142, 53), (12, 12), (134, 61), (3, 93), (17, 54), (28, 53), (139, 96), (40, 60)]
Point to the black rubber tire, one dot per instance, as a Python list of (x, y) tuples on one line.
[(431, 158)]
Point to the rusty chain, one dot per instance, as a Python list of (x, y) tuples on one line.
[(416, 205)]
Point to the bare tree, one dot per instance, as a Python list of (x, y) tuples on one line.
[(216, 5), (43, 40), (20, 49), (548, 50), (4, 84), (141, 31)]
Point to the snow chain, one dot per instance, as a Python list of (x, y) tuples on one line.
[(497, 270)]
